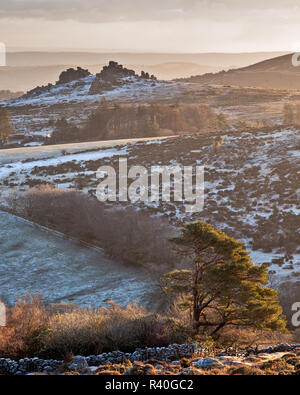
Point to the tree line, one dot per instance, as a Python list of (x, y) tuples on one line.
[(111, 121)]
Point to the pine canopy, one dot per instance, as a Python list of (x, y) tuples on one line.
[(223, 286)]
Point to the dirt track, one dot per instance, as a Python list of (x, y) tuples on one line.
[(46, 151)]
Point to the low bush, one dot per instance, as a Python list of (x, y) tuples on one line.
[(26, 321), (133, 236), (34, 329)]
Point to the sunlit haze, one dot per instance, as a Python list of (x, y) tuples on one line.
[(139, 25)]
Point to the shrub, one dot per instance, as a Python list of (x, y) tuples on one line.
[(133, 236), (86, 332), (37, 330), (279, 366), (26, 321)]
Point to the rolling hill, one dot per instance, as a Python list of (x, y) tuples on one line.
[(275, 73)]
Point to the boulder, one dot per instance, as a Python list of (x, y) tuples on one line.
[(207, 363), (78, 364), (72, 75)]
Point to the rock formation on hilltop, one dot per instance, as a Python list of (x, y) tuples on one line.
[(114, 72), (72, 75), (111, 76), (115, 75), (65, 77)]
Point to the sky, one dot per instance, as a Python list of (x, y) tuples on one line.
[(151, 25)]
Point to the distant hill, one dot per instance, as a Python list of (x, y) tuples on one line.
[(276, 73), (26, 78), (171, 70), (224, 60), (7, 95)]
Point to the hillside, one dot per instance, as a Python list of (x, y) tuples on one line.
[(75, 93), (249, 192), (276, 73)]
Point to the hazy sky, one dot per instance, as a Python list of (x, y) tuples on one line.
[(152, 25)]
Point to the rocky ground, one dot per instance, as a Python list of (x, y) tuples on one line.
[(186, 359)]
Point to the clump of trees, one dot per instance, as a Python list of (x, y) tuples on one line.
[(6, 127), (222, 287), (110, 121), (64, 132)]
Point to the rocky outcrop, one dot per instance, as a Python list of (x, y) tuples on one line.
[(115, 75), (39, 90), (110, 77), (65, 77), (72, 75), (147, 76), (114, 72)]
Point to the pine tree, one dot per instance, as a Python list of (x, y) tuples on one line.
[(223, 286), (6, 127)]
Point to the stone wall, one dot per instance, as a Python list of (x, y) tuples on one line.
[(27, 365), (173, 352)]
